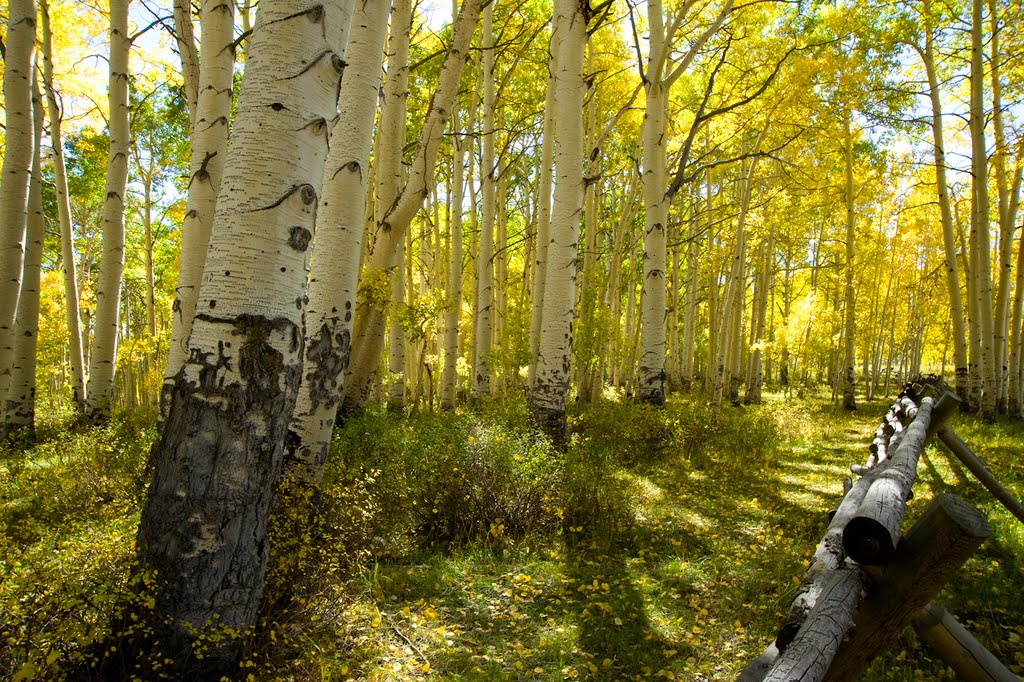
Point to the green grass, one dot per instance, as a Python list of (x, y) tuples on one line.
[(664, 544)]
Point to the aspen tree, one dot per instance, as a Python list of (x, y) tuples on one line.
[(651, 379), (339, 239), (551, 385), (729, 335), (209, 149), (67, 244), (690, 284), (543, 216), (980, 220), (454, 307), (762, 289), (389, 178), (203, 530), (16, 174), (483, 315), (1005, 219), (945, 212), (368, 339), (657, 193), (850, 324), (184, 37), (19, 411), (103, 355)]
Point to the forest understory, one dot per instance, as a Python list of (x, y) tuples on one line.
[(663, 544)]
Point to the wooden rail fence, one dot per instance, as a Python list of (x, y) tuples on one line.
[(866, 582)]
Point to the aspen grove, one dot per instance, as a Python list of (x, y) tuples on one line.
[(262, 226)]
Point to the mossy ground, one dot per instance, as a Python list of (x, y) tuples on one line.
[(663, 544)]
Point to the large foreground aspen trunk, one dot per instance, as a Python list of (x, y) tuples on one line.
[(203, 530), (551, 386)]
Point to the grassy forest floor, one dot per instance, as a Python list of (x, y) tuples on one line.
[(663, 544)]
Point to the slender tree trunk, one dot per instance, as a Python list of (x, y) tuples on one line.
[(390, 177), (690, 285), (147, 252), (980, 219), (370, 315), (946, 216), (203, 532), (68, 262), (19, 412), (340, 222), (209, 149), (184, 36), (103, 356), (551, 387), (651, 379), (543, 218), (729, 330), (850, 324), (16, 174), (449, 377), (1006, 227), (484, 313)]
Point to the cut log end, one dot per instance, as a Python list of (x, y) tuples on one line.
[(868, 542)]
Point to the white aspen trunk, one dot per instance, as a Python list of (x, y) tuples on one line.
[(484, 312), (980, 220), (850, 324), (613, 290), (370, 319), (729, 333), (651, 378), (690, 285), (68, 263), (551, 387), (946, 215), (16, 174), (184, 36), (215, 467), (1006, 227), (449, 376), (735, 349), (103, 356), (19, 411), (396, 335), (147, 247), (389, 184), (501, 286), (759, 316), (672, 363), (340, 225), (209, 149), (588, 367), (543, 219)]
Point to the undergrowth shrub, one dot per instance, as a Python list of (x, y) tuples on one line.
[(450, 479), (70, 503), (500, 482)]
